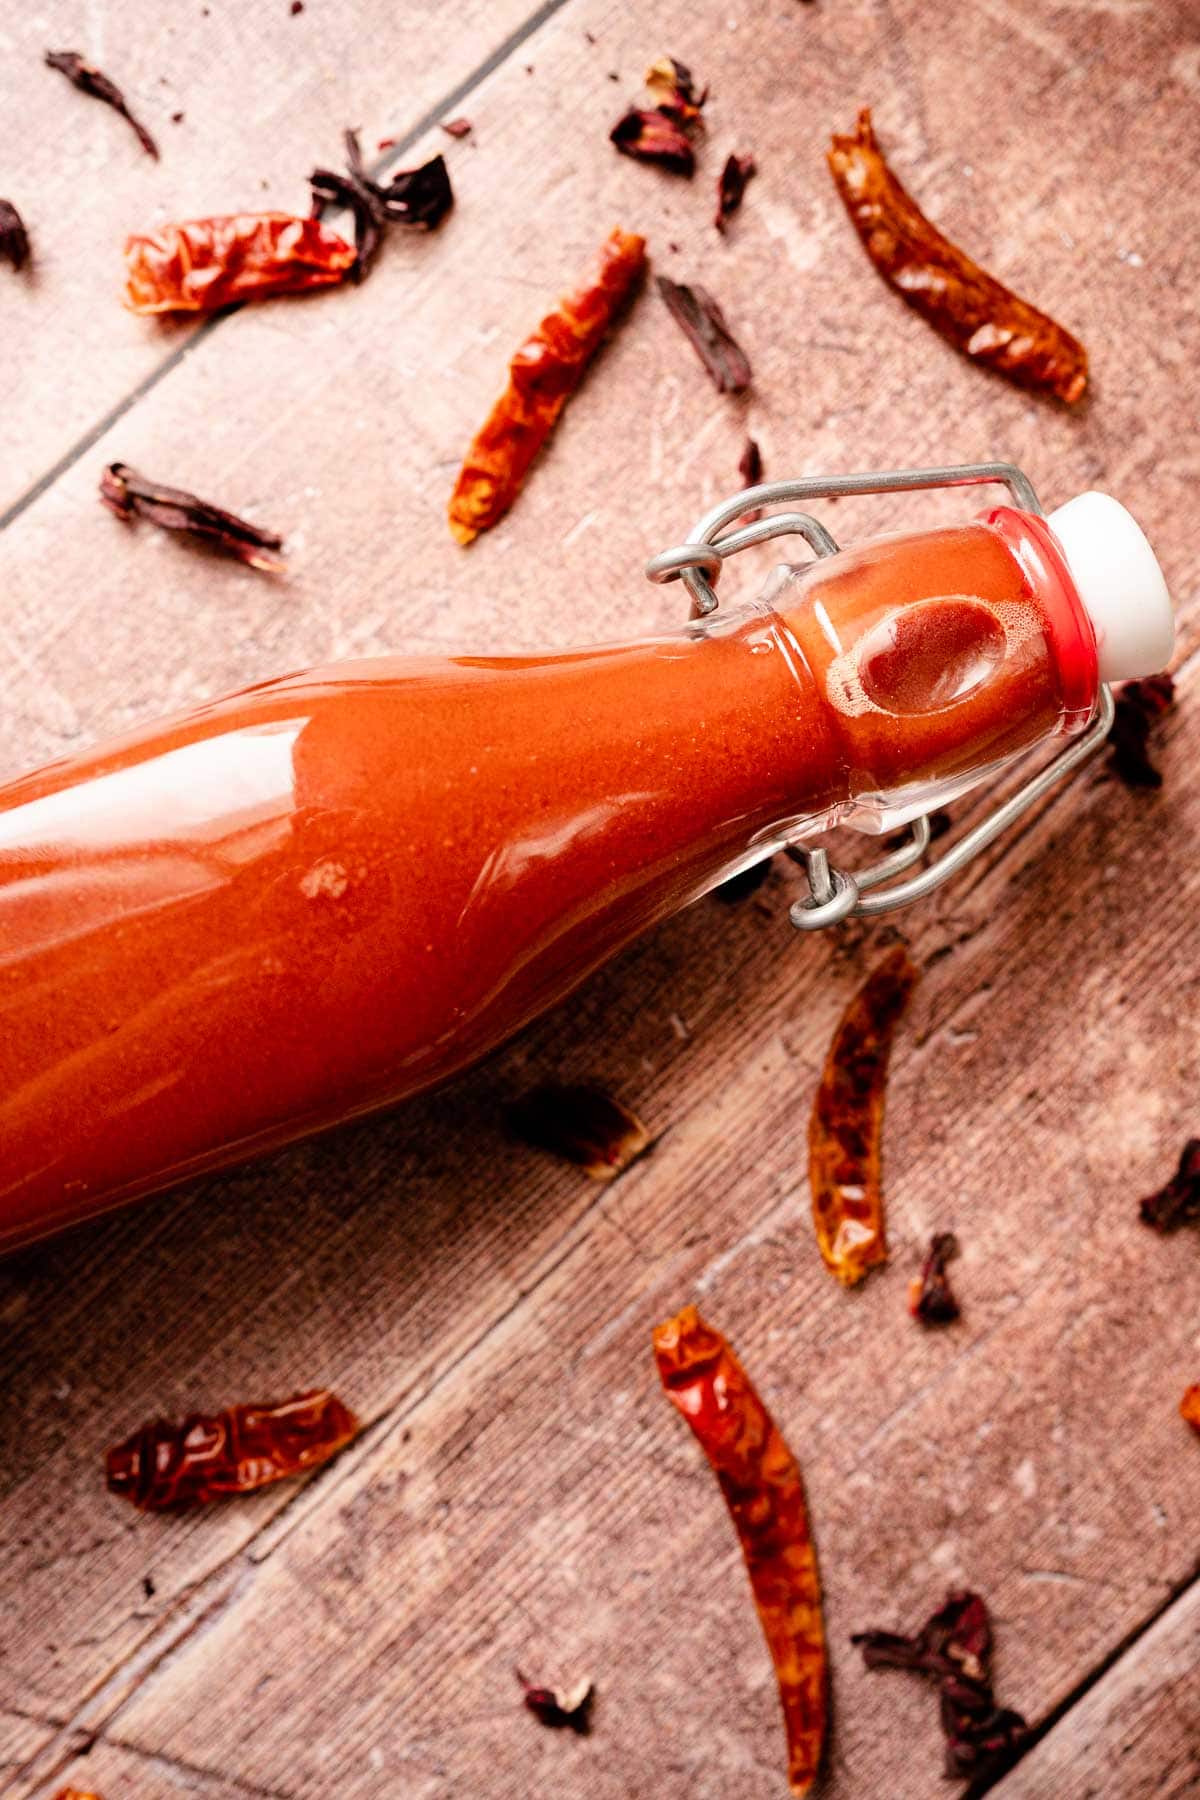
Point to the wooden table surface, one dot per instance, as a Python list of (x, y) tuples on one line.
[(523, 1495)]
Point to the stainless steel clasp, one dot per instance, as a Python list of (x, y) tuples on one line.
[(834, 894)]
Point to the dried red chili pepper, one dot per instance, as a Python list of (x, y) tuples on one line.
[(1139, 707), (1189, 1407), (75, 1794), (847, 1123), (129, 495), (703, 324), (955, 1647), (582, 1124), (14, 239), (209, 263), (977, 313), (208, 1456), (763, 1489), (561, 1708), (731, 187), (89, 80), (542, 375), (930, 1296), (1178, 1203)]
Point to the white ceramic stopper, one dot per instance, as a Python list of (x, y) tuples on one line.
[(1120, 584)]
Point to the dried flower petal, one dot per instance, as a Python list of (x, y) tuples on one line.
[(89, 80), (561, 1708), (419, 198), (583, 1124), (674, 88), (1189, 1407), (930, 1298), (731, 187), (977, 313), (955, 1647), (703, 324), (1178, 1203), (654, 137), (457, 128), (14, 239), (130, 495), (209, 1456), (750, 468), (764, 1491), (847, 1123), (1139, 707)]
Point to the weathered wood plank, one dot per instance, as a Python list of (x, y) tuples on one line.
[(1136, 1732), (380, 1259), (264, 94)]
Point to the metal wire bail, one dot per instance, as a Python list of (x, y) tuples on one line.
[(834, 894)]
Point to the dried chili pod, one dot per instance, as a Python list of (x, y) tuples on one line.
[(205, 264), (763, 1489), (70, 1793), (1178, 1203), (542, 375), (14, 239), (731, 187), (977, 313), (584, 1125), (1139, 707), (930, 1296), (703, 324), (89, 80), (209, 1456), (129, 495), (1189, 1407), (847, 1123), (561, 1709)]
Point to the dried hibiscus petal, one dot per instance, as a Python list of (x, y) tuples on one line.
[(582, 1124), (233, 1452), (655, 137), (561, 1708), (955, 1647), (731, 187), (977, 313), (415, 197), (89, 80), (1189, 1407), (14, 239), (129, 495), (764, 1492), (1178, 1203), (457, 128), (930, 1297), (703, 324), (847, 1123), (542, 376), (1139, 707), (750, 468), (205, 264), (674, 88)]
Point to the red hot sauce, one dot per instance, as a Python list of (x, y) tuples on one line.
[(329, 892)]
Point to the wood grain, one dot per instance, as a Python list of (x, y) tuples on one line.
[(358, 1634)]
